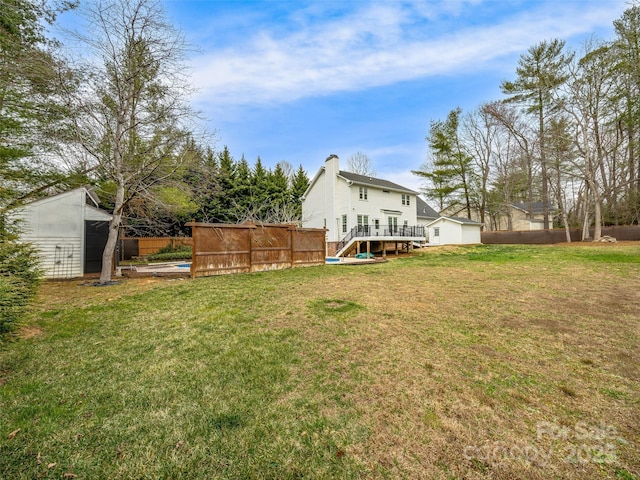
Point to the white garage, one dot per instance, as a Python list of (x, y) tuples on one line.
[(454, 231)]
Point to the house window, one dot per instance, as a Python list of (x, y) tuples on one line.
[(344, 224), (406, 199), (406, 223), (363, 193), (436, 231), (376, 222)]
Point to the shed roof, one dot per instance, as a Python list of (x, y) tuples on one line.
[(458, 220)]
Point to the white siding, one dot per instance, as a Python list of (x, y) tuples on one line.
[(55, 226), (450, 233), (314, 205), (342, 204), (377, 202), (60, 216), (60, 257), (470, 234)]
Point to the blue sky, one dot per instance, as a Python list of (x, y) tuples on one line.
[(297, 81)]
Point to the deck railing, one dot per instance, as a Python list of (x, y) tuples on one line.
[(372, 231)]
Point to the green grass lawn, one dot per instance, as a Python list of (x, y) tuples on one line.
[(493, 362)]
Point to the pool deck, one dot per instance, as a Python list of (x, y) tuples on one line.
[(356, 261), (166, 269), (155, 269)]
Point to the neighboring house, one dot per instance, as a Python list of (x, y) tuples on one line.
[(357, 208), (454, 231), (69, 231), (514, 217), (522, 216), (458, 210)]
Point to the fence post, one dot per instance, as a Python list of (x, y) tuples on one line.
[(292, 249), (251, 238), (192, 270)]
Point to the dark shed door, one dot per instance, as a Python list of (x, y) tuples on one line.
[(95, 239)]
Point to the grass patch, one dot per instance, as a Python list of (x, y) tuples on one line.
[(421, 367), (334, 307)]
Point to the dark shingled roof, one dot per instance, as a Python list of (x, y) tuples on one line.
[(424, 210), (374, 182)]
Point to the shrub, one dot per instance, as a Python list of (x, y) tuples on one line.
[(172, 248), (19, 279), (179, 252)]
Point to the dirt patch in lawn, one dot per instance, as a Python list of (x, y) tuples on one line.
[(26, 332)]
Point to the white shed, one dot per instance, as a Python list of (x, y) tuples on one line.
[(69, 230), (454, 231)]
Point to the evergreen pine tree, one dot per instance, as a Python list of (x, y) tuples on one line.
[(277, 193), (299, 185), (242, 191), (224, 201), (451, 173)]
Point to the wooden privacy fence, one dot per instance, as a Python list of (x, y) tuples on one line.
[(219, 248), (142, 246), (621, 233)]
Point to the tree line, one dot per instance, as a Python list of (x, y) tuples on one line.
[(108, 106), (566, 136), (214, 187)]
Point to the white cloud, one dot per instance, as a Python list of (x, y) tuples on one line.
[(378, 44)]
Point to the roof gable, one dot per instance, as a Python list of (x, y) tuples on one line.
[(58, 196), (424, 210), (89, 198)]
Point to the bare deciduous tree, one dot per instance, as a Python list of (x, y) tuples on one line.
[(132, 115), (359, 163), (585, 102)]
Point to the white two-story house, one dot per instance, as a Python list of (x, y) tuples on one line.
[(357, 210)]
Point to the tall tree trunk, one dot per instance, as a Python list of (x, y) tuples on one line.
[(112, 239), (543, 165), (597, 213), (561, 206), (530, 187), (467, 200), (567, 228), (586, 222)]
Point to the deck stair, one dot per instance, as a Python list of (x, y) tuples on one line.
[(380, 233)]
